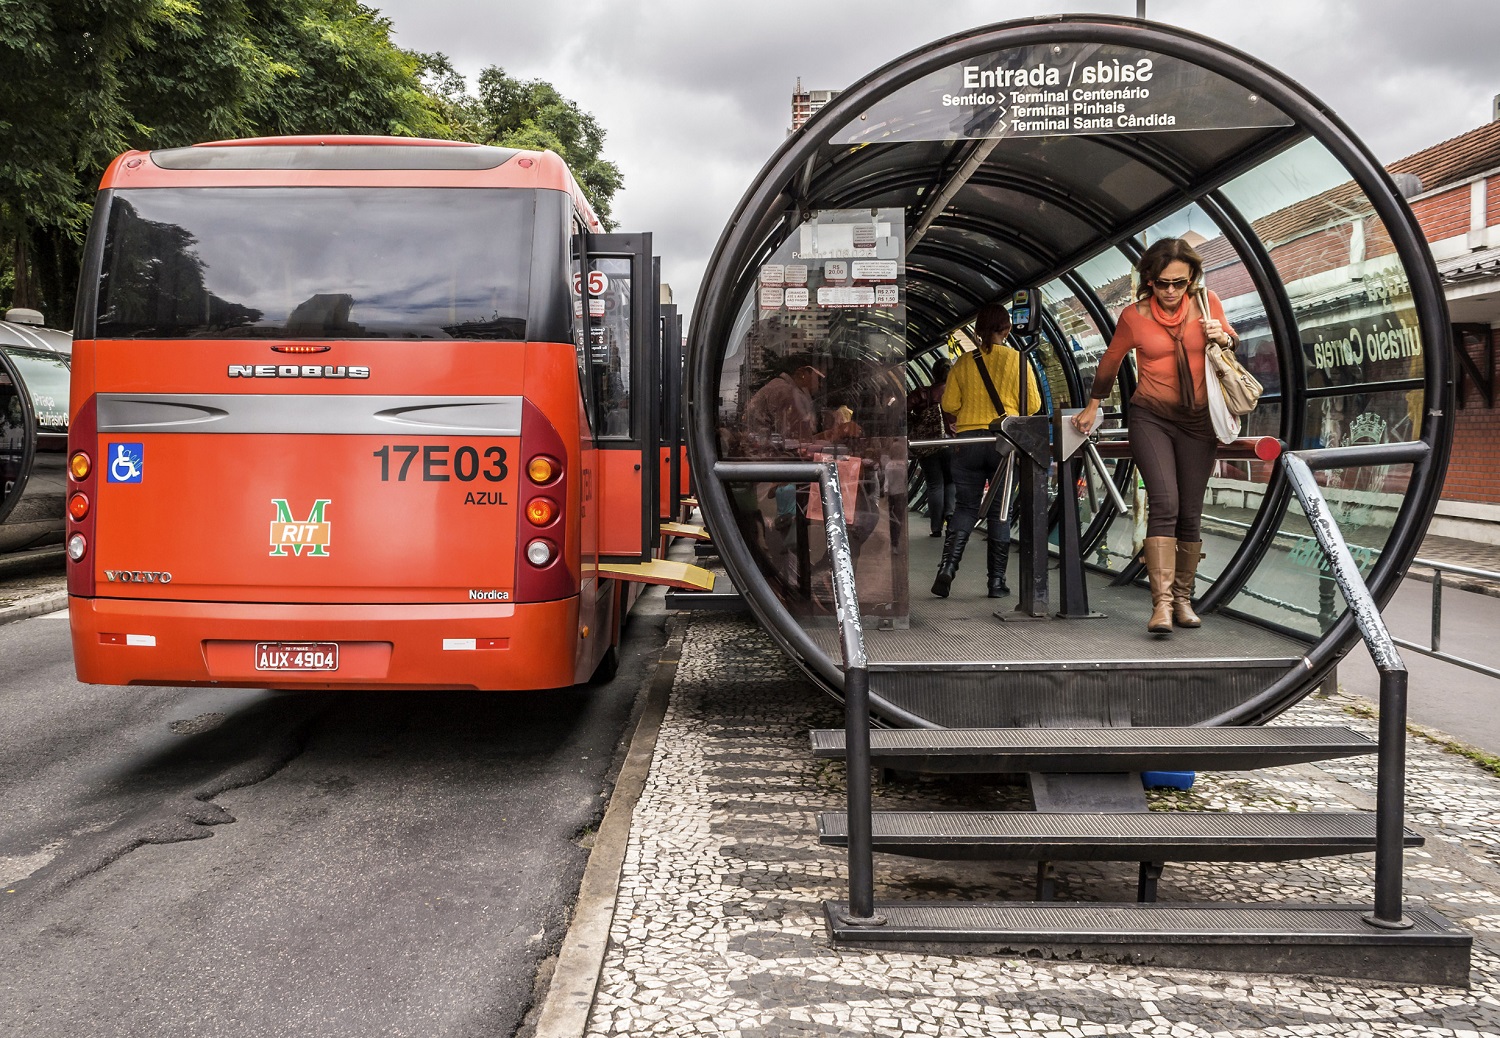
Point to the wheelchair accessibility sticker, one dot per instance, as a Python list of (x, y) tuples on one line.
[(126, 462)]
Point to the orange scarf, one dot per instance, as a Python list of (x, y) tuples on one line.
[(1172, 325)]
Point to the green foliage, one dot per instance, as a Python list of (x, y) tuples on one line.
[(531, 114), (342, 74), (87, 79)]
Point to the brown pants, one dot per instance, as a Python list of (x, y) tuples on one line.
[(1175, 468)]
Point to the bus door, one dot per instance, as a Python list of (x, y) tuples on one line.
[(673, 440), (621, 354)]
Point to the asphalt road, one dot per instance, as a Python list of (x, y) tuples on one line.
[(232, 862), (1463, 703)]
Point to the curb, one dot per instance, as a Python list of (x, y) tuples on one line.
[(1456, 582), (1364, 706), (570, 995), (50, 602)]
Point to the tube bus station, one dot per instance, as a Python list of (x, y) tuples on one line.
[(1032, 164)]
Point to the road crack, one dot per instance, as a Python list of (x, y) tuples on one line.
[(180, 818)]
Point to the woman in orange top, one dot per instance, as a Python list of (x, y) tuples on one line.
[(1171, 434)]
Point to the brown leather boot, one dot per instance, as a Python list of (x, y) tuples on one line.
[(1188, 554), (1160, 556)]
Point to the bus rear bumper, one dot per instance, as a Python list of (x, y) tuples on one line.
[(153, 642)]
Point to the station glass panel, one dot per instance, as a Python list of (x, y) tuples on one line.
[(1358, 359), (46, 378), (1111, 277), (1293, 586), (1081, 334), (1236, 492), (815, 371)]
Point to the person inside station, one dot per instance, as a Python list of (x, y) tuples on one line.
[(783, 419), (926, 420), (1171, 434), (983, 387)]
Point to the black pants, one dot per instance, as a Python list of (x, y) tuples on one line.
[(1175, 467), (937, 470), (972, 466)]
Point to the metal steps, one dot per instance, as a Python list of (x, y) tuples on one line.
[(1031, 691), (723, 598), (692, 531), (1330, 940), (1086, 784), (1018, 750), (1145, 836)]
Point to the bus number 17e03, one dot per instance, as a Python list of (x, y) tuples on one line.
[(466, 463)]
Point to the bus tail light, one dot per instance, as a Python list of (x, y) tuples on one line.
[(540, 511), (83, 479), (542, 470), (546, 567)]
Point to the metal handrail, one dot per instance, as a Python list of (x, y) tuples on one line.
[(1390, 781), (957, 441), (1452, 567), (1434, 650), (856, 668)]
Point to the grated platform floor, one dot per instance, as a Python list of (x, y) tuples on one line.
[(963, 627)]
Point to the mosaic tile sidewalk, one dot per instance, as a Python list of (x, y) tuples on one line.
[(718, 926)]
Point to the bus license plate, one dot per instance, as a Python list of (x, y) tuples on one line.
[(296, 656)]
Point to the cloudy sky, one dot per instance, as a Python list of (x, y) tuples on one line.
[(696, 96)]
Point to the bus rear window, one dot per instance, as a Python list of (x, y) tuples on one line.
[(317, 263)]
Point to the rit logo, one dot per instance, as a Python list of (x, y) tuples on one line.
[(287, 532)]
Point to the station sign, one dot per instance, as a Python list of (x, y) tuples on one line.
[(1061, 90), (598, 283), (838, 260)]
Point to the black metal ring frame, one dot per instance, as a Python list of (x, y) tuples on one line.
[(750, 233), (33, 430)]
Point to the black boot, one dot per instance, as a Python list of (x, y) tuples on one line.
[(999, 555), (953, 553)]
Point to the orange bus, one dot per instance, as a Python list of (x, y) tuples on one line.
[(346, 414)]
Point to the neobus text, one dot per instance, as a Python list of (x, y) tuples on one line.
[(297, 371)]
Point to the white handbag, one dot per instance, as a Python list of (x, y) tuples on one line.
[(1226, 423)]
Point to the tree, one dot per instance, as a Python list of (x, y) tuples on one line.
[(87, 79), (61, 114), (342, 74), (83, 80), (531, 114)]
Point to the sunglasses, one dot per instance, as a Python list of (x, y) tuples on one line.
[(1172, 284)]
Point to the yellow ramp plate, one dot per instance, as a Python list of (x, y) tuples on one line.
[(697, 533), (660, 571)]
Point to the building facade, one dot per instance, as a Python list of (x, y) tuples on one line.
[(1457, 203)]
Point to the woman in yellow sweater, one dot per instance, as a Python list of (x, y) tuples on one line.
[(974, 408)]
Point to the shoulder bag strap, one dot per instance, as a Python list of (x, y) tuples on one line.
[(989, 383)]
